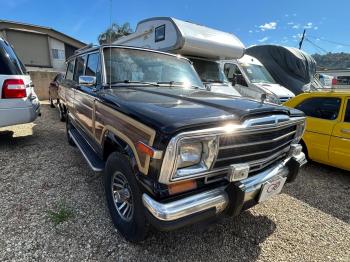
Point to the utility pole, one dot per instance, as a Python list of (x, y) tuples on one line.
[(302, 39)]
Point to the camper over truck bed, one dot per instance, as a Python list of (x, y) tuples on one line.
[(185, 38)]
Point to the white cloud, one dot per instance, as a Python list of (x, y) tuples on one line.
[(308, 25), (264, 39), (268, 26), (296, 26), (290, 23), (315, 27), (339, 47), (250, 31)]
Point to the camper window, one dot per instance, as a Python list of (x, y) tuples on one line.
[(209, 71), (144, 66), (159, 33)]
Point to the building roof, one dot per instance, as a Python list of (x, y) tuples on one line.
[(30, 28)]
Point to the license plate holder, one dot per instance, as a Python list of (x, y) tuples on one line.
[(271, 188)]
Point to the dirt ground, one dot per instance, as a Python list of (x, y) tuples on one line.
[(41, 175)]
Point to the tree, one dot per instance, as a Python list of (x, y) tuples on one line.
[(114, 32)]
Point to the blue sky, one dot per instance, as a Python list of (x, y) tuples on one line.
[(254, 22)]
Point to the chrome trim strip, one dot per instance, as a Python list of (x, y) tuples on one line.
[(216, 198), (258, 143)]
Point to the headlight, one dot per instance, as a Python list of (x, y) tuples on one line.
[(188, 157)]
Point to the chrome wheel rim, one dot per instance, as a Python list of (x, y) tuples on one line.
[(122, 196)]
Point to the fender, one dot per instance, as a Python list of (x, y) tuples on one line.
[(120, 145)]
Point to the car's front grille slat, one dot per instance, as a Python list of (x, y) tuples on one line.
[(259, 150), (258, 143)]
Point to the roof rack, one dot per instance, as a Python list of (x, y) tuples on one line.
[(84, 48)]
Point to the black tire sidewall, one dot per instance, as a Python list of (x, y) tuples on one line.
[(61, 112), (136, 229)]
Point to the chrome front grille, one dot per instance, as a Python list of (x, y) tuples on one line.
[(260, 149)]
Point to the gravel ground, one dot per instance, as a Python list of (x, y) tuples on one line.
[(309, 221)]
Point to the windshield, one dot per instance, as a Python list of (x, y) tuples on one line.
[(130, 65), (209, 71), (257, 73)]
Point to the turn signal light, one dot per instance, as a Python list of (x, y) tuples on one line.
[(148, 150), (13, 88), (143, 148), (182, 187)]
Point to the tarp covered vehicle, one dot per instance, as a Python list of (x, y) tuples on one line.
[(289, 66)]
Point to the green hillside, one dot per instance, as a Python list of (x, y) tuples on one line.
[(333, 60)]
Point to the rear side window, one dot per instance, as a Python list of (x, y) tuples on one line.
[(321, 107), (347, 112), (80, 62), (9, 62), (93, 67), (70, 70)]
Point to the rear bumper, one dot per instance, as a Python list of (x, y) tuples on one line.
[(231, 199), (19, 111)]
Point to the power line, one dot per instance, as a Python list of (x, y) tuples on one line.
[(329, 41), (317, 46)]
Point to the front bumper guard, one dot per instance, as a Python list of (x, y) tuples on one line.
[(232, 197)]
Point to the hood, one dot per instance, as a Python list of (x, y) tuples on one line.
[(277, 89), (173, 109)]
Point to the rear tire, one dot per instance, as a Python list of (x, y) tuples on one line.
[(69, 138), (124, 196), (62, 114), (51, 103)]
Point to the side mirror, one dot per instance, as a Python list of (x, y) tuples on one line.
[(87, 81)]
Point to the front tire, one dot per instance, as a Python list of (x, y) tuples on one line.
[(124, 198)]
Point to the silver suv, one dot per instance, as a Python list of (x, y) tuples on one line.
[(18, 101)]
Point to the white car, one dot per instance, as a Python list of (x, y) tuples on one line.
[(18, 101)]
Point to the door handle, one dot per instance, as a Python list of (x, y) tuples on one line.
[(345, 131)]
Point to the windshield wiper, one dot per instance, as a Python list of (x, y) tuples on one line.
[(134, 82), (212, 81), (171, 83)]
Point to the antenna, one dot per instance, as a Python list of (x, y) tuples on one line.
[(302, 39)]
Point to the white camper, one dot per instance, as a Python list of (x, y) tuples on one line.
[(202, 45), (252, 79)]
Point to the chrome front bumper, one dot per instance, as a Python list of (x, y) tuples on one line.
[(218, 199)]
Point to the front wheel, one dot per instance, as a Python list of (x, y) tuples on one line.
[(124, 198)]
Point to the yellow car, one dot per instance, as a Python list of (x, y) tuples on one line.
[(327, 135)]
